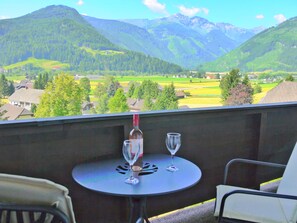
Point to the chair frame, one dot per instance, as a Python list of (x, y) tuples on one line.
[(252, 193), (58, 216)]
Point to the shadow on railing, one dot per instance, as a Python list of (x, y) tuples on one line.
[(50, 148)]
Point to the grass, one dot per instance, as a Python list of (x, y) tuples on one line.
[(101, 52), (41, 63)]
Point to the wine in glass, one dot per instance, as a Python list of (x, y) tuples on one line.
[(131, 150), (173, 142)]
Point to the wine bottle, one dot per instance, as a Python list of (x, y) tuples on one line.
[(136, 134)]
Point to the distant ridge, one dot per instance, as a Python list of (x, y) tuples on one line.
[(274, 49), (59, 33), (179, 39)]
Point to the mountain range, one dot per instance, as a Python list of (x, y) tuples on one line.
[(59, 33), (274, 49), (179, 39)]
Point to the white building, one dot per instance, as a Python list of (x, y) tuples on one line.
[(25, 97)]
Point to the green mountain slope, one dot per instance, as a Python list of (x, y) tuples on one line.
[(60, 33), (177, 39), (273, 49)]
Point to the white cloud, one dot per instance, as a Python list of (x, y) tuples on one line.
[(188, 11), (155, 6), (80, 2), (260, 16), (192, 11), (205, 10), (3, 17), (280, 18)]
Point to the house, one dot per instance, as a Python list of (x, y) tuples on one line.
[(135, 104), (180, 94), (24, 84), (25, 97), (11, 112), (284, 92), (86, 107)]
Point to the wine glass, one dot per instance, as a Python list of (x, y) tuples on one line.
[(173, 142), (131, 150)]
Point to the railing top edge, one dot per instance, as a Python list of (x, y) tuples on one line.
[(127, 115)]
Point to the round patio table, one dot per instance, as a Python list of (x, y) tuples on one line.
[(108, 176)]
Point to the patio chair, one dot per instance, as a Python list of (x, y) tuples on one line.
[(33, 200), (236, 204)]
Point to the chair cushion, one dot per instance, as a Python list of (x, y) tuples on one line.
[(27, 190), (248, 207), (288, 186)]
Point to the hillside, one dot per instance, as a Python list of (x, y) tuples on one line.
[(179, 39), (273, 49), (59, 33)]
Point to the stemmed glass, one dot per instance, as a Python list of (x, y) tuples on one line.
[(131, 150), (173, 142)]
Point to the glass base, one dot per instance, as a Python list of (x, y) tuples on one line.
[(132, 180), (172, 168)]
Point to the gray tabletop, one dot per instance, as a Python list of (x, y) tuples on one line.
[(108, 176)]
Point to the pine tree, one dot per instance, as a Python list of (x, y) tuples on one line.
[(118, 103), (167, 99), (86, 87), (228, 82)]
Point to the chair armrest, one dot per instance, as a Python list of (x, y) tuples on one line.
[(248, 161), (253, 193)]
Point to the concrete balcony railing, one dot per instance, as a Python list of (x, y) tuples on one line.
[(50, 148)]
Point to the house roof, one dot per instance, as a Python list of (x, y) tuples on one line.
[(284, 92), (180, 94), (26, 95), (11, 112), (135, 104)]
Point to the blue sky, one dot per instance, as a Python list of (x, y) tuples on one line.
[(242, 13)]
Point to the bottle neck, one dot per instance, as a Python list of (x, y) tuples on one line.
[(136, 121)]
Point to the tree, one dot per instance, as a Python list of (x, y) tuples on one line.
[(4, 86), (148, 103), (102, 104), (111, 85), (257, 88), (41, 81), (239, 95), (62, 97), (167, 99), (85, 85), (289, 78), (132, 88), (11, 88), (118, 103), (228, 82)]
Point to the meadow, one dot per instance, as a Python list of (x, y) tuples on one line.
[(200, 92)]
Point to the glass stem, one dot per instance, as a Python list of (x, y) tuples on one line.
[(131, 172), (172, 156)]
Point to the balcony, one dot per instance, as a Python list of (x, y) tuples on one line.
[(50, 148)]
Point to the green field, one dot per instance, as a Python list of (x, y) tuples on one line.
[(200, 92), (39, 63)]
